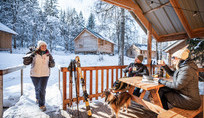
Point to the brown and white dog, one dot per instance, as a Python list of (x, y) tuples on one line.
[(117, 101)]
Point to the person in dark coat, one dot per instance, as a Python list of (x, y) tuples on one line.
[(183, 92), (41, 61), (136, 69)]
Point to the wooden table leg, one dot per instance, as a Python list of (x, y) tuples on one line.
[(142, 94), (131, 90), (156, 97)]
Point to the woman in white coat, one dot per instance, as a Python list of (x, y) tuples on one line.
[(41, 61)]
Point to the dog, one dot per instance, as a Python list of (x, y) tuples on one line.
[(122, 99)]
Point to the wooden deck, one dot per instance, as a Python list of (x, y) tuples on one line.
[(101, 110)]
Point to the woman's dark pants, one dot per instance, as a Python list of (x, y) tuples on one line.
[(40, 84)]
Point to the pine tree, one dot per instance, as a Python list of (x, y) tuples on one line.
[(91, 22), (196, 47)]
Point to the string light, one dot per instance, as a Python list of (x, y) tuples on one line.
[(195, 13)]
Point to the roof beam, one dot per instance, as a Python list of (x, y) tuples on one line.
[(156, 8), (173, 37), (181, 17), (133, 6), (198, 33)]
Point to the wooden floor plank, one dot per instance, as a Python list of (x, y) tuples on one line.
[(101, 110)]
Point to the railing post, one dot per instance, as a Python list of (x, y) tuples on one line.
[(64, 89), (21, 82), (1, 96)]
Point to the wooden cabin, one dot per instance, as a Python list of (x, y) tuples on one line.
[(6, 38), (137, 49), (89, 41)]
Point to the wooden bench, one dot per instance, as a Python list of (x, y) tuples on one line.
[(181, 113)]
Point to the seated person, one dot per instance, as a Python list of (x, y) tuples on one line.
[(136, 69), (183, 92)]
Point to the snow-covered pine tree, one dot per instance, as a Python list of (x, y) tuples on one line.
[(91, 22), (196, 47)]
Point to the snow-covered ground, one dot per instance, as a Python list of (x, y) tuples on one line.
[(25, 106)]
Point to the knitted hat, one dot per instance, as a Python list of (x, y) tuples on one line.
[(140, 57), (41, 43), (182, 53)]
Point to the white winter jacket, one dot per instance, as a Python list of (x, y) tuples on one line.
[(40, 66)]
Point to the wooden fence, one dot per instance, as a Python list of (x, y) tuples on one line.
[(107, 75), (4, 72), (92, 75)]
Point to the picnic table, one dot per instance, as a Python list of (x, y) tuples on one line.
[(151, 86)]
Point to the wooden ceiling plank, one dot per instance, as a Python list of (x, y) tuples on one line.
[(181, 17)]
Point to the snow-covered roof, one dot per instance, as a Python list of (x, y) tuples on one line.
[(6, 29), (99, 36), (143, 46), (173, 45)]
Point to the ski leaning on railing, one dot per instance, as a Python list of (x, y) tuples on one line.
[(75, 64)]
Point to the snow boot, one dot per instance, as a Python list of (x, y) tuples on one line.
[(43, 108)]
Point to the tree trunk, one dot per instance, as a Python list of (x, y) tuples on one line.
[(122, 37), (14, 11)]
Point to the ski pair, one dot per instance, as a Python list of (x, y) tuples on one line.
[(76, 66)]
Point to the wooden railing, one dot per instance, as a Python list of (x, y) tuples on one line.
[(92, 75), (7, 71)]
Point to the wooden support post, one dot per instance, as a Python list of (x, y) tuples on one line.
[(1, 96), (149, 47), (21, 82), (64, 89)]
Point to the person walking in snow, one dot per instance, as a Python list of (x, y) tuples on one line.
[(183, 92), (41, 61)]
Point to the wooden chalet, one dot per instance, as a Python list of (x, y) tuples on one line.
[(137, 49), (6, 38), (89, 41)]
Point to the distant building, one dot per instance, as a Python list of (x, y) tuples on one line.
[(89, 41), (173, 48), (6, 38), (137, 49)]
